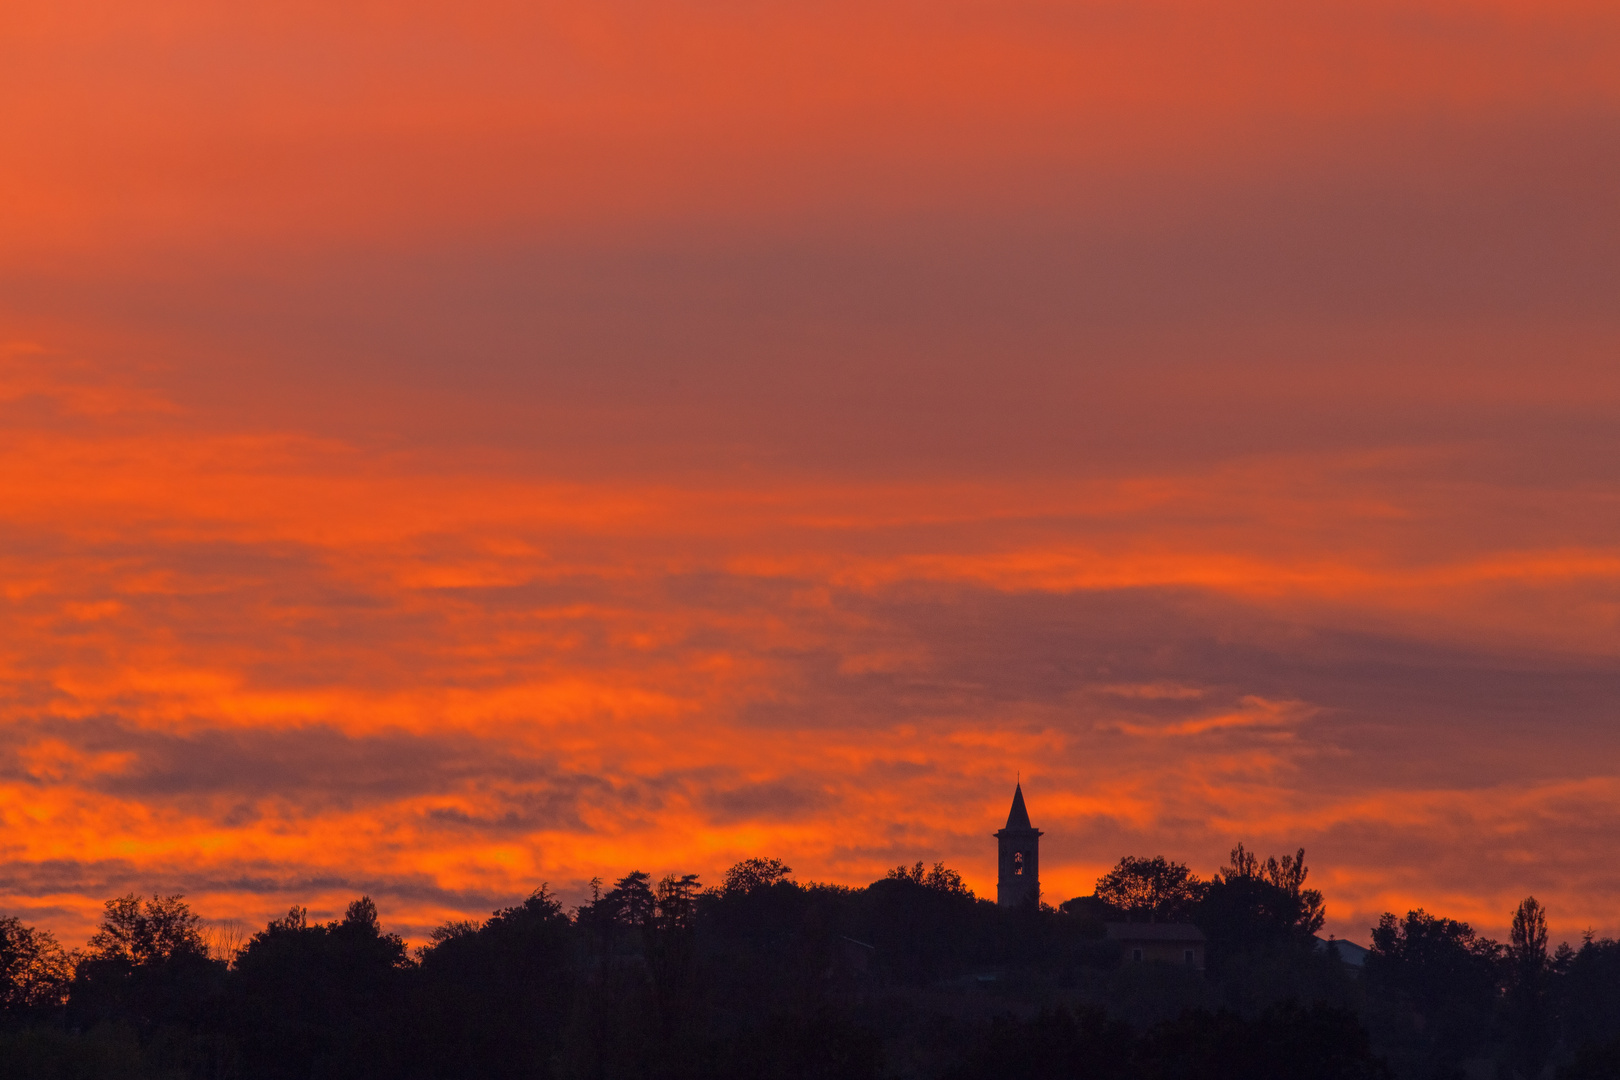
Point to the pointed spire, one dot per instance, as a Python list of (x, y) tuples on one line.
[(1018, 817)]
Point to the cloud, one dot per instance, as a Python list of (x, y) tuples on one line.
[(767, 431), (841, 768)]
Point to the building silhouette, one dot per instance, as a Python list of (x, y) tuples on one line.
[(1164, 943), (1018, 876)]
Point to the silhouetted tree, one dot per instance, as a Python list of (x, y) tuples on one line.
[(136, 934), (765, 977), (618, 1023), (1254, 906), (1154, 890), (1530, 1023), (781, 945), (1436, 986), (1527, 939), (614, 919), (147, 967), (631, 901), (938, 878), (750, 874), (141, 962), (1092, 908), (925, 923), (34, 970), (1302, 911), (670, 947), (1589, 995), (314, 1000), (493, 997)]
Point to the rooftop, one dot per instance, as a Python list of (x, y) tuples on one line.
[(1018, 816), (1146, 931)]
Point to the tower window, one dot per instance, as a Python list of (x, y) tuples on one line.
[(1189, 958), (1136, 955), (1018, 863)]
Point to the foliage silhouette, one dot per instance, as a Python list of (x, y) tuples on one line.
[(1530, 1023), (1436, 984), (35, 970), (751, 874), (764, 976), (1586, 997), (139, 934), (1151, 890), (312, 1000), (492, 998), (147, 968), (1252, 906)]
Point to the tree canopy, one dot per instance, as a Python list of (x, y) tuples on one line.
[(660, 978)]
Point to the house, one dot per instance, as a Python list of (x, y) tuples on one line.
[(1165, 943), (1353, 955)]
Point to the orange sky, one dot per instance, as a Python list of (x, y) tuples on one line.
[(449, 447)]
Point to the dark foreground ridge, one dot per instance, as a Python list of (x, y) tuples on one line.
[(765, 977)]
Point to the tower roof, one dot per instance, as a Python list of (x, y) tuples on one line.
[(1018, 816)]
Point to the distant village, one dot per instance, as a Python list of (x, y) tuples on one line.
[(1147, 939), (1156, 975)]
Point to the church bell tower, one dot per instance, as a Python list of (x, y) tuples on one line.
[(1018, 878)]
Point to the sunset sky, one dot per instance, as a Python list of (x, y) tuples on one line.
[(446, 447)]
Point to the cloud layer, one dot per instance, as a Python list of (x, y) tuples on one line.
[(449, 449)]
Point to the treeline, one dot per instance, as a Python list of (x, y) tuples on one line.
[(762, 976)]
